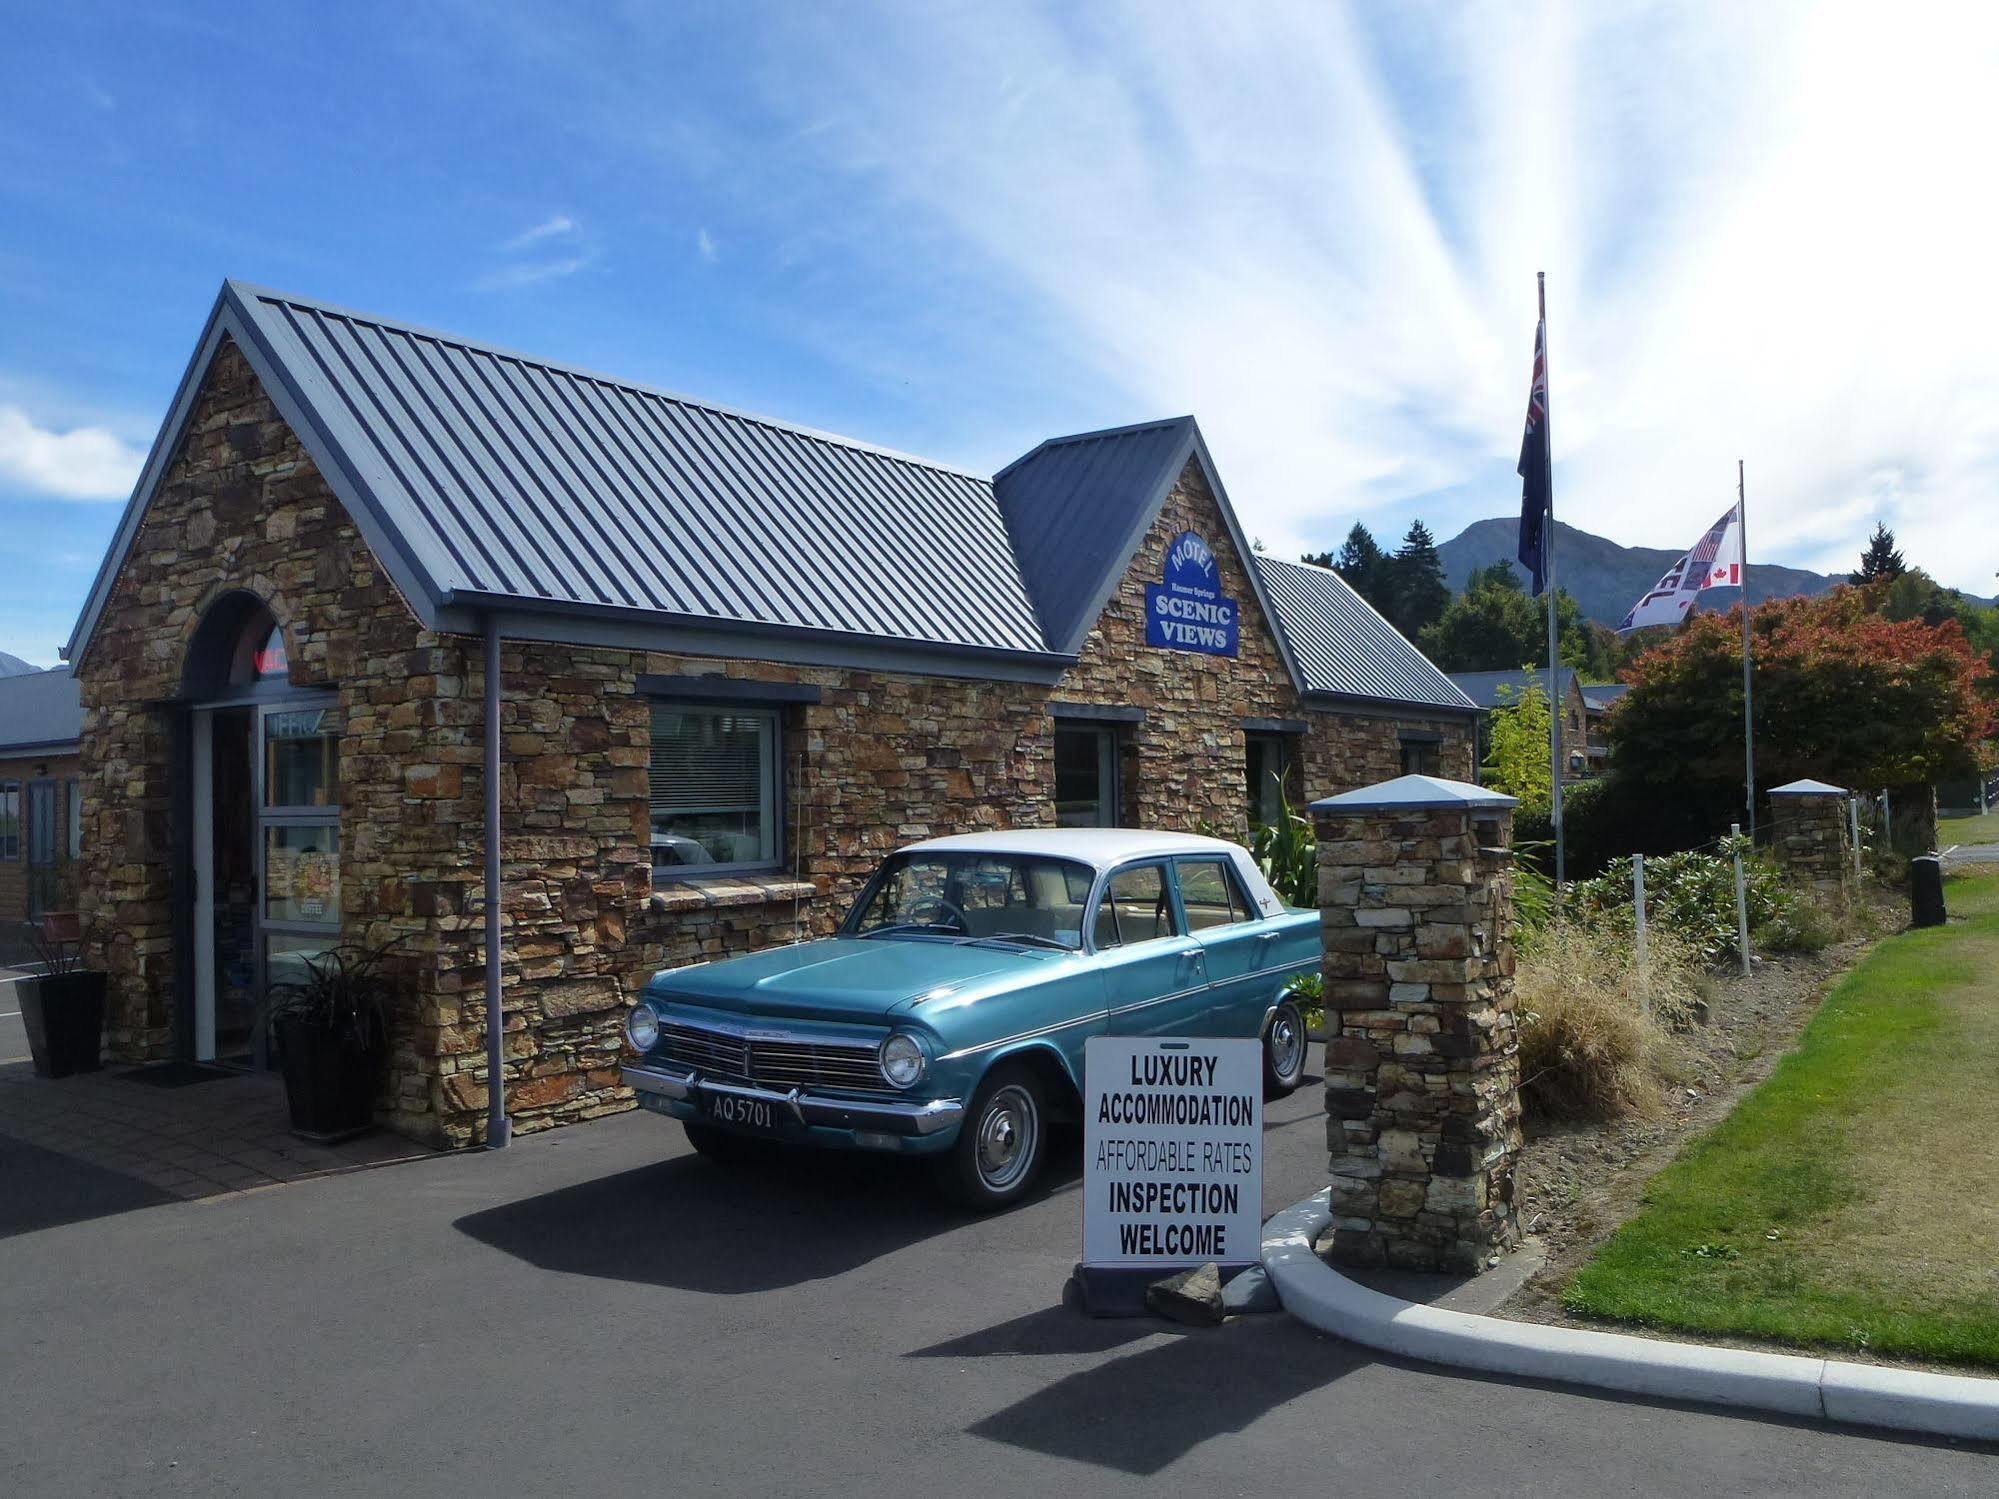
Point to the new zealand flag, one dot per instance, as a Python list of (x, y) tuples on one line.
[(1537, 499)]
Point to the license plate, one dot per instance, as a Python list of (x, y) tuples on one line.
[(751, 1113)]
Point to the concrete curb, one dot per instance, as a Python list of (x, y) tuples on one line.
[(1858, 1394)]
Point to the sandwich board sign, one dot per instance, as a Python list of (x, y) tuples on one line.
[(1172, 1153)]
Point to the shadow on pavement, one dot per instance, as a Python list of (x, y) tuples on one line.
[(1052, 1330), (802, 1216), (1144, 1411), (42, 1189)]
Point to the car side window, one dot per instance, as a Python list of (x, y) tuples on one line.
[(1135, 908), (1210, 895)]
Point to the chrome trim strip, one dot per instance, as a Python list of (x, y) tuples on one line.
[(925, 1118)]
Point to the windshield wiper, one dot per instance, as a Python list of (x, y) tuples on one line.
[(1031, 939), (912, 926)]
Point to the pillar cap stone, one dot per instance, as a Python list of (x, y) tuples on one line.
[(1416, 794), (1808, 788)]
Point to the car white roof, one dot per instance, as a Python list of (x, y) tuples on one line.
[(1104, 848)]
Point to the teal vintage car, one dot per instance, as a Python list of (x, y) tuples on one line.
[(947, 1018)]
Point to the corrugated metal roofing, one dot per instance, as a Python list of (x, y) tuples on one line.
[(503, 475), (1078, 507), (1343, 646), (1499, 689), (39, 709)]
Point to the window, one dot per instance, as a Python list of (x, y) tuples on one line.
[(1134, 908), (260, 654), (76, 819), (1268, 761), (712, 783), (10, 820), (302, 758), (1419, 757), (1085, 778), (1209, 894), (1037, 902)]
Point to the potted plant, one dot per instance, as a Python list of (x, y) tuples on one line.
[(62, 1008), (332, 1030)]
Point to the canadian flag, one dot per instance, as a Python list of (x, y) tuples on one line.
[(1715, 562)]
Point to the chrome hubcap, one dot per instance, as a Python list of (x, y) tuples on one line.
[(1287, 1044), (1007, 1133)]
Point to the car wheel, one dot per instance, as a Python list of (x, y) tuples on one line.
[(1000, 1146), (723, 1148), (1284, 1045)]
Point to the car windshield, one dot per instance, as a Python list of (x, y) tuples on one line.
[(998, 897)]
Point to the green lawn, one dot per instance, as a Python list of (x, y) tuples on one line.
[(1852, 1200), (1968, 829)]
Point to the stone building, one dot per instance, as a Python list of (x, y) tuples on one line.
[(739, 661), (1583, 745), (41, 806)]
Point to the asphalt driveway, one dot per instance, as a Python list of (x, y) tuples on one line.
[(598, 1311)]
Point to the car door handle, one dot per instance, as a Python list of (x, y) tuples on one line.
[(1193, 965)]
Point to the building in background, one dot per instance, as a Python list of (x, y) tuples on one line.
[(1501, 689), (41, 805)]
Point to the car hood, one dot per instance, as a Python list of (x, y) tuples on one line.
[(847, 978)]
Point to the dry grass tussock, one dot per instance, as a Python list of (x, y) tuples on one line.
[(1596, 1033)]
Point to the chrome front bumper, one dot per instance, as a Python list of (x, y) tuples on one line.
[(682, 1084)]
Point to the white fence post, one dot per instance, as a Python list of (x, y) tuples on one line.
[(1741, 898), (1853, 826), (1638, 906)]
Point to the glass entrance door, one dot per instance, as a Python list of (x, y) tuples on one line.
[(298, 836)]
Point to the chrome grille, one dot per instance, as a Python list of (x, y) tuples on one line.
[(851, 1068)]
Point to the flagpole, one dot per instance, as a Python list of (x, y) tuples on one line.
[(1555, 704), (1748, 716)]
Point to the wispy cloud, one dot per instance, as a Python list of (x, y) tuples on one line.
[(509, 278), (83, 463), (1318, 230), (704, 243), (552, 227)]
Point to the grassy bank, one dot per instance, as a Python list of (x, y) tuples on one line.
[(1852, 1201)]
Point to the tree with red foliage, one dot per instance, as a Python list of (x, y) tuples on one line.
[(1842, 694)]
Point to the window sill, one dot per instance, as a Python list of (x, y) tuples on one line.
[(701, 894)]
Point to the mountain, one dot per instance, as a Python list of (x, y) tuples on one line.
[(1606, 579), (14, 666)]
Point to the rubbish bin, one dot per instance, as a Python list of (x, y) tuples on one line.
[(1926, 891)]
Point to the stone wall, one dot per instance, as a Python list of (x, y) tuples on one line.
[(1422, 1068)]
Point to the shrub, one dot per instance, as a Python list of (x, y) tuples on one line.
[(1691, 896), (1594, 1030)]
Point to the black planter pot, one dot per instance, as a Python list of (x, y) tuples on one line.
[(330, 1088), (63, 1015)]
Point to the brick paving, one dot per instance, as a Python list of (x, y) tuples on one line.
[(226, 1134)]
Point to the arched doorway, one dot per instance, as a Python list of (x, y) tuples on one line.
[(263, 871)]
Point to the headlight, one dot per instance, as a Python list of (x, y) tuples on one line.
[(642, 1027), (903, 1061)]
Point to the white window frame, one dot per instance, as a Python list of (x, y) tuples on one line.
[(770, 780)]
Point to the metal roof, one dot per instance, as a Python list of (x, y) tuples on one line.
[(1344, 647), (1808, 787), (1602, 696), (1079, 507), (1414, 793), (1501, 689), (39, 710), (584, 508), (508, 477)]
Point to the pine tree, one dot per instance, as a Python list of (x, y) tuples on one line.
[(1417, 594), (1881, 559)]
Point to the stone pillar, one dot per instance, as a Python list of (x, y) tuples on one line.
[(1811, 836), (1422, 1064)]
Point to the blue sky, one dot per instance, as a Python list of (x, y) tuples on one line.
[(960, 228)]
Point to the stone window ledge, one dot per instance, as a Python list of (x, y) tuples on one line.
[(730, 890)]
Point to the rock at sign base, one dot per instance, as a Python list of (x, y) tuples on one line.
[(1251, 1291), (1193, 1296)]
